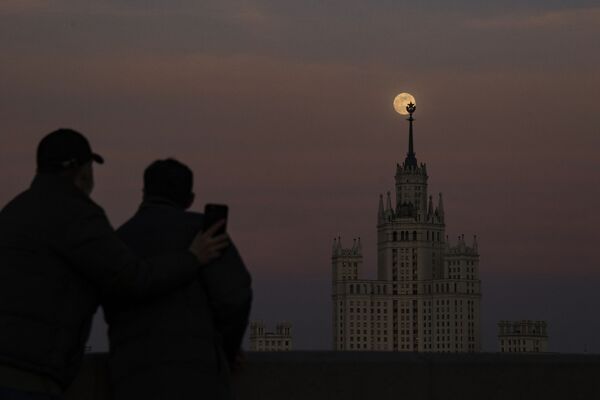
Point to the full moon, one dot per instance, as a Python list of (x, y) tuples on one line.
[(401, 101)]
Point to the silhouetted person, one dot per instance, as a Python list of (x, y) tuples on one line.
[(58, 257), (179, 346)]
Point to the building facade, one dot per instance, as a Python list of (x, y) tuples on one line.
[(262, 340), (523, 336), (427, 294)]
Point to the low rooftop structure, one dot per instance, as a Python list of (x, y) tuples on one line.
[(263, 340), (523, 336)]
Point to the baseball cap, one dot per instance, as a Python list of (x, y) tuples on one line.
[(64, 149)]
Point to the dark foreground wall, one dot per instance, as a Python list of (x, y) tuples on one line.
[(413, 376)]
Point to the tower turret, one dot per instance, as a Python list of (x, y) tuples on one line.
[(380, 212), (257, 328), (389, 210), (346, 262), (430, 208)]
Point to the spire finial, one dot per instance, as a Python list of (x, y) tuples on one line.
[(411, 159)]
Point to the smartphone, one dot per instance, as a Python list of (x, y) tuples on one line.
[(214, 213)]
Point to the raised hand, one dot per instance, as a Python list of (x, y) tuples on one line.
[(207, 247)]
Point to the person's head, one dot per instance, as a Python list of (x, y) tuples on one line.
[(68, 153), (171, 180)]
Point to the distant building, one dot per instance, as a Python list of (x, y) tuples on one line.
[(262, 340), (523, 336), (427, 294)]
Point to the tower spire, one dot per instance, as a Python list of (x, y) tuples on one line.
[(411, 159), (440, 208), (430, 208)]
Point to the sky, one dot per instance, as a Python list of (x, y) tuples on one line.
[(284, 111)]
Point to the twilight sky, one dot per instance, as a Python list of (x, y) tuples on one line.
[(284, 111)]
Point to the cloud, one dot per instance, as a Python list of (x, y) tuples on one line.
[(240, 12), (579, 18), (250, 14), (22, 6)]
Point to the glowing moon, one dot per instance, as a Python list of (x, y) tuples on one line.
[(401, 101)]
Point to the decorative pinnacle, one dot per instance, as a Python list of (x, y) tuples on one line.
[(411, 159)]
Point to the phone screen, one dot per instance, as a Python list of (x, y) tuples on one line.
[(214, 213)]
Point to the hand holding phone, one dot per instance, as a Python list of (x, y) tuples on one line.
[(214, 213), (209, 244)]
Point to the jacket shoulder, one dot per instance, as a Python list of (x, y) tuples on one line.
[(194, 219), (154, 230)]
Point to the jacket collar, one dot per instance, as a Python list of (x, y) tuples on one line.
[(57, 183), (159, 202)]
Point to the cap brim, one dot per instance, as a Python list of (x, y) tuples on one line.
[(97, 158)]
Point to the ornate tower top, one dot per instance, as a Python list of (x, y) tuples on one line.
[(411, 159)]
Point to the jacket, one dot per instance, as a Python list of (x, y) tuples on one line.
[(181, 344), (59, 257)]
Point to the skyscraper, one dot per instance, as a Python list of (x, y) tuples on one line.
[(427, 293)]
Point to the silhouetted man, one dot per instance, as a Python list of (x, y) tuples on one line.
[(181, 345), (58, 257)]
